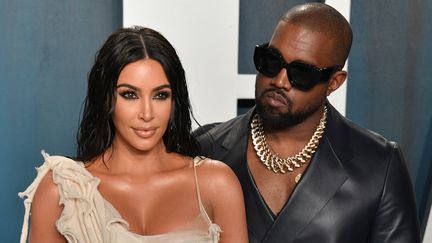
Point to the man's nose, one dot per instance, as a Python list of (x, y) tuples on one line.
[(281, 80)]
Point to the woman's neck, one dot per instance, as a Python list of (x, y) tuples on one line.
[(122, 159)]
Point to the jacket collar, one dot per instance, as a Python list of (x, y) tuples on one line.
[(233, 153), (335, 132)]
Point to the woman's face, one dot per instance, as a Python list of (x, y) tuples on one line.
[(142, 107)]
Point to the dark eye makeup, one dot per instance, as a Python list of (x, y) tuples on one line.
[(128, 94), (162, 94)]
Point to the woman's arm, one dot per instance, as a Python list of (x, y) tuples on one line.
[(225, 197), (45, 211)]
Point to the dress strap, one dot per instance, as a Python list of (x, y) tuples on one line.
[(29, 194), (197, 161)]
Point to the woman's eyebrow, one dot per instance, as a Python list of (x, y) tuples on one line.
[(163, 86), (128, 86)]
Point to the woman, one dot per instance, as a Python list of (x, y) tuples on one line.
[(141, 178)]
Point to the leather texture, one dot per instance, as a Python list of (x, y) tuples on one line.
[(356, 190)]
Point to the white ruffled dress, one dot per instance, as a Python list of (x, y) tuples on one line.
[(88, 218)]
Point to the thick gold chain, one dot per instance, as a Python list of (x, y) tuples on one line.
[(271, 160)]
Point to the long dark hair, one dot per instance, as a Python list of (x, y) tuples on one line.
[(127, 45)]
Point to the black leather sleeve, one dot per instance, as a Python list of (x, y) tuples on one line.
[(396, 217)]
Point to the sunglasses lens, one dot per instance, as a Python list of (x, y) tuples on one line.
[(303, 76), (267, 62)]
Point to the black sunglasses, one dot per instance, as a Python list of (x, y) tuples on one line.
[(302, 76)]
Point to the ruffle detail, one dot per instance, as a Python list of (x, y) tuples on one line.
[(77, 189), (85, 217)]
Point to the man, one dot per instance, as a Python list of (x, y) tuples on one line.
[(308, 174)]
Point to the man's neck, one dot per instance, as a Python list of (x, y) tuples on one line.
[(291, 140)]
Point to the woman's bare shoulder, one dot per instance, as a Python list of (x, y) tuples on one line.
[(223, 197), (217, 176), (46, 209), (46, 195)]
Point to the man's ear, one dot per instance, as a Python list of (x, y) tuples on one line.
[(337, 79)]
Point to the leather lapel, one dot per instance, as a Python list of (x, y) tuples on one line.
[(319, 184), (232, 152)]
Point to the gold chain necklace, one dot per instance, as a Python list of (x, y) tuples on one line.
[(275, 163)]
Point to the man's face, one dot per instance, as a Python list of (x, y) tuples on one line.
[(279, 104)]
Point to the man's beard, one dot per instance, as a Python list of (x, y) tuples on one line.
[(277, 120)]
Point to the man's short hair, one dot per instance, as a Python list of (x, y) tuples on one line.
[(325, 19)]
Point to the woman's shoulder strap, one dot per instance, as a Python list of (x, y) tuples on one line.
[(198, 160)]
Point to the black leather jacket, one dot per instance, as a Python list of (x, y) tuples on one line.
[(356, 189)]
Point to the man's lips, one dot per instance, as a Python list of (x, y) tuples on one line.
[(144, 132), (275, 99)]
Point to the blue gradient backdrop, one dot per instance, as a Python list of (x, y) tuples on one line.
[(46, 50)]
